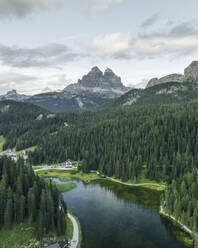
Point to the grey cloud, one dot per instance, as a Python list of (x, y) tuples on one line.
[(91, 6), (22, 8), (9, 81), (150, 21), (180, 40), (45, 56), (183, 29)]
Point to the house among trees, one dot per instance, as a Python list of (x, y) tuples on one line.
[(55, 246), (68, 164), (52, 246)]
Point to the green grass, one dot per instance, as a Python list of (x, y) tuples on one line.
[(29, 149), (40, 117), (37, 167), (17, 236), (66, 187), (69, 228), (87, 177), (62, 187), (2, 142), (159, 186), (64, 175)]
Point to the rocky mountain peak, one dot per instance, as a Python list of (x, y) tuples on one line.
[(12, 92), (108, 71), (13, 95), (152, 82), (96, 79), (176, 78), (191, 70), (95, 70)]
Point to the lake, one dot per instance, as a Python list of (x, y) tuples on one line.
[(114, 215)]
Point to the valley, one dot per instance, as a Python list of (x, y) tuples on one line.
[(98, 124), (139, 148)]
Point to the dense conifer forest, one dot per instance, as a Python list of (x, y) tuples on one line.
[(159, 142), (181, 199), (26, 197)]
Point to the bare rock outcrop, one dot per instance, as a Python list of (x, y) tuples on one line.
[(191, 70), (178, 78)]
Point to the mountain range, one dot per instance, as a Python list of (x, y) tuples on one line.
[(93, 90), (97, 88)]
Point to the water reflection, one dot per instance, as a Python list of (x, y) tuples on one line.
[(114, 215)]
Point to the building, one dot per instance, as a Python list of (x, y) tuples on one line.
[(52, 246)]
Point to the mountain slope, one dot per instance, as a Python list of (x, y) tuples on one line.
[(166, 93), (16, 119)]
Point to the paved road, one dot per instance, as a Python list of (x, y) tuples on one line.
[(75, 238)]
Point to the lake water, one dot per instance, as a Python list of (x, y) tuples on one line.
[(117, 216)]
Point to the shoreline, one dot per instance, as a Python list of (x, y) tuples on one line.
[(187, 240), (162, 188), (133, 184), (136, 184), (172, 218)]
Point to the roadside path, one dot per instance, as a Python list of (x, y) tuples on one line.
[(177, 221), (131, 184), (75, 238), (138, 184)]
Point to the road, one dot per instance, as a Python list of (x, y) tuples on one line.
[(75, 238), (138, 184)]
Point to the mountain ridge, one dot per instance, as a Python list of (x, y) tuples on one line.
[(93, 90), (189, 72)]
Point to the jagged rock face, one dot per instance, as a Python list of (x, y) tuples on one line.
[(191, 70), (13, 95), (99, 84), (178, 78), (96, 79), (94, 89), (92, 79), (113, 80)]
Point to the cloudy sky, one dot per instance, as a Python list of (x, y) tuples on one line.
[(51, 43)]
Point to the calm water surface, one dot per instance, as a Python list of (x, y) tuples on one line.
[(117, 216)]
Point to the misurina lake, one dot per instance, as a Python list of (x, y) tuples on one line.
[(117, 216)]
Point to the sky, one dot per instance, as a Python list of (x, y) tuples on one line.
[(52, 43)]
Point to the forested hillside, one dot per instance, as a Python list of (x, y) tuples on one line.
[(157, 142), (23, 125), (181, 199), (26, 197), (161, 141)]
